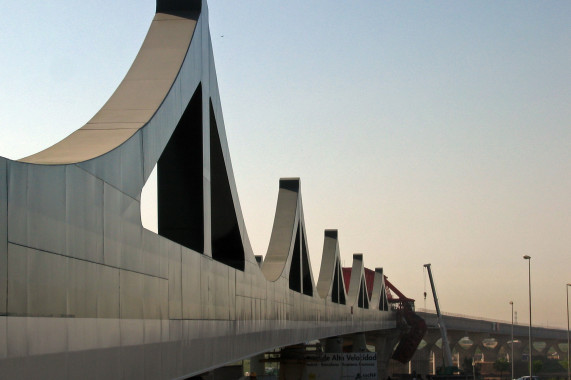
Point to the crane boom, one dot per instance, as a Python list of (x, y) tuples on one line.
[(445, 346)]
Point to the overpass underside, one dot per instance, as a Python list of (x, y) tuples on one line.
[(87, 292)]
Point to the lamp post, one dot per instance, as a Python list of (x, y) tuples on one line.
[(528, 258), (568, 363), (512, 355)]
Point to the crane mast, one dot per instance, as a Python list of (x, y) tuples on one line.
[(445, 346)]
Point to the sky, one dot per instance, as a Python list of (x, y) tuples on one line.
[(425, 132)]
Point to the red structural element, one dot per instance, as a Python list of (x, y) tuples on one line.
[(346, 277), (413, 326), (411, 339), (391, 287), (370, 279)]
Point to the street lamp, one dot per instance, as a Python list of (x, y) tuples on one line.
[(568, 363), (528, 258), (512, 355)]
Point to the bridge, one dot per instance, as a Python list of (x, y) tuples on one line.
[(491, 337), (87, 292)]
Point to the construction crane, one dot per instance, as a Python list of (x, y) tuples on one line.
[(448, 366)]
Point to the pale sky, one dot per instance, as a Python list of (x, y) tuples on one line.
[(423, 131)]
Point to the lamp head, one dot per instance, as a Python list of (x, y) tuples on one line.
[(511, 302), (526, 257)]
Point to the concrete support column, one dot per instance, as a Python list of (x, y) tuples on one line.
[(465, 353), (431, 337), (548, 345), (491, 354), (520, 346), (333, 345), (257, 365), (421, 361), (384, 345), (476, 340), (453, 339)]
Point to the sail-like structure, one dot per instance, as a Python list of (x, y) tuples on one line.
[(87, 292)]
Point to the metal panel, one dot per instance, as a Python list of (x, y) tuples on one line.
[(155, 297), (108, 363), (122, 168), (171, 359), (153, 331), (151, 364), (132, 181), (46, 201), (151, 254), (191, 289), (243, 283), (47, 283), (131, 235), (81, 365), (207, 288), (112, 231), (41, 367), (17, 280), (132, 362), (132, 332), (123, 230), (3, 339), (174, 277), (3, 241), (221, 299), (164, 256), (18, 205), (232, 295), (81, 334), (159, 130), (278, 257), (82, 289), (92, 290), (16, 329), (108, 292), (46, 336), (84, 215), (207, 217), (165, 331), (172, 353), (191, 72), (131, 295), (108, 332)]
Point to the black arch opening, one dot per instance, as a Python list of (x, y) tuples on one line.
[(227, 246), (180, 190)]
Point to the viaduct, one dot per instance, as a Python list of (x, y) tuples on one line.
[(87, 292), (492, 338)]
